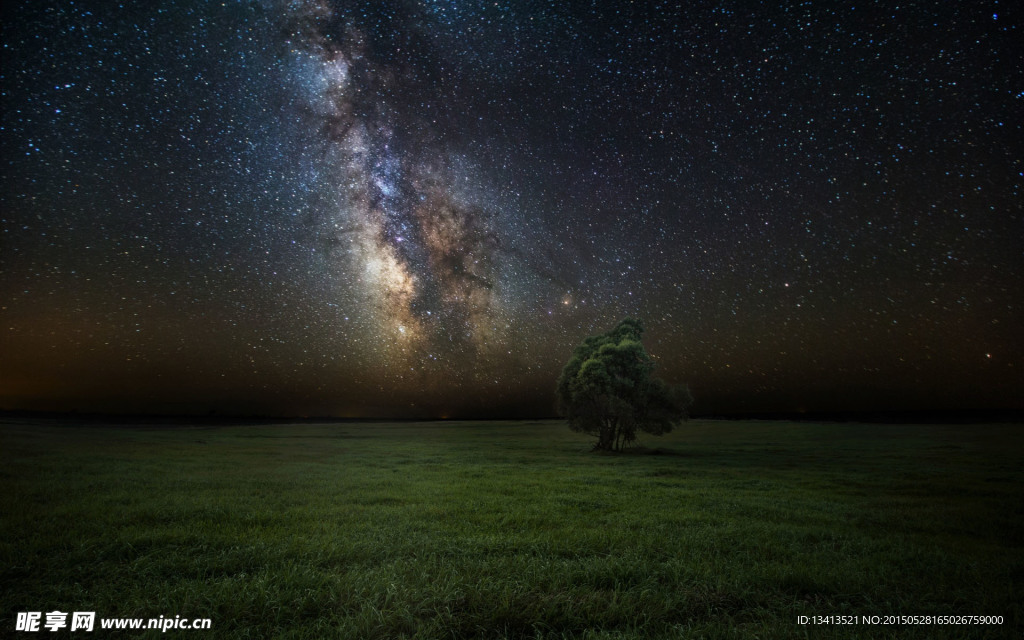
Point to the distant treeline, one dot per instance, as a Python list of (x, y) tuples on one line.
[(881, 417), (876, 417)]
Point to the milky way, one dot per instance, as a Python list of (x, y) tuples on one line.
[(425, 251), (419, 208)]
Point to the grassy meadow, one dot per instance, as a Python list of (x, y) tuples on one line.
[(514, 529)]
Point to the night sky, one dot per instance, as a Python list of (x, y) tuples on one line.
[(418, 208)]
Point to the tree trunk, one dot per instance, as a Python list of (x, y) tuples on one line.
[(606, 441)]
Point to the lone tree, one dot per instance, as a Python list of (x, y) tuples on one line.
[(606, 389)]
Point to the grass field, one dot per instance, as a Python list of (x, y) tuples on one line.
[(514, 529)]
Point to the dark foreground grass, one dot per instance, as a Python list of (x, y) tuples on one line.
[(515, 530)]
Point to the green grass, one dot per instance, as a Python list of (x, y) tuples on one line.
[(515, 529)]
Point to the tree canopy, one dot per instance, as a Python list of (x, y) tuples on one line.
[(607, 390)]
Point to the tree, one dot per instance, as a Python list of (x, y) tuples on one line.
[(606, 390)]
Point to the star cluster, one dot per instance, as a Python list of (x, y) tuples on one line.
[(418, 207)]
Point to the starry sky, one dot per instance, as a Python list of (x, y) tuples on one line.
[(417, 208)]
